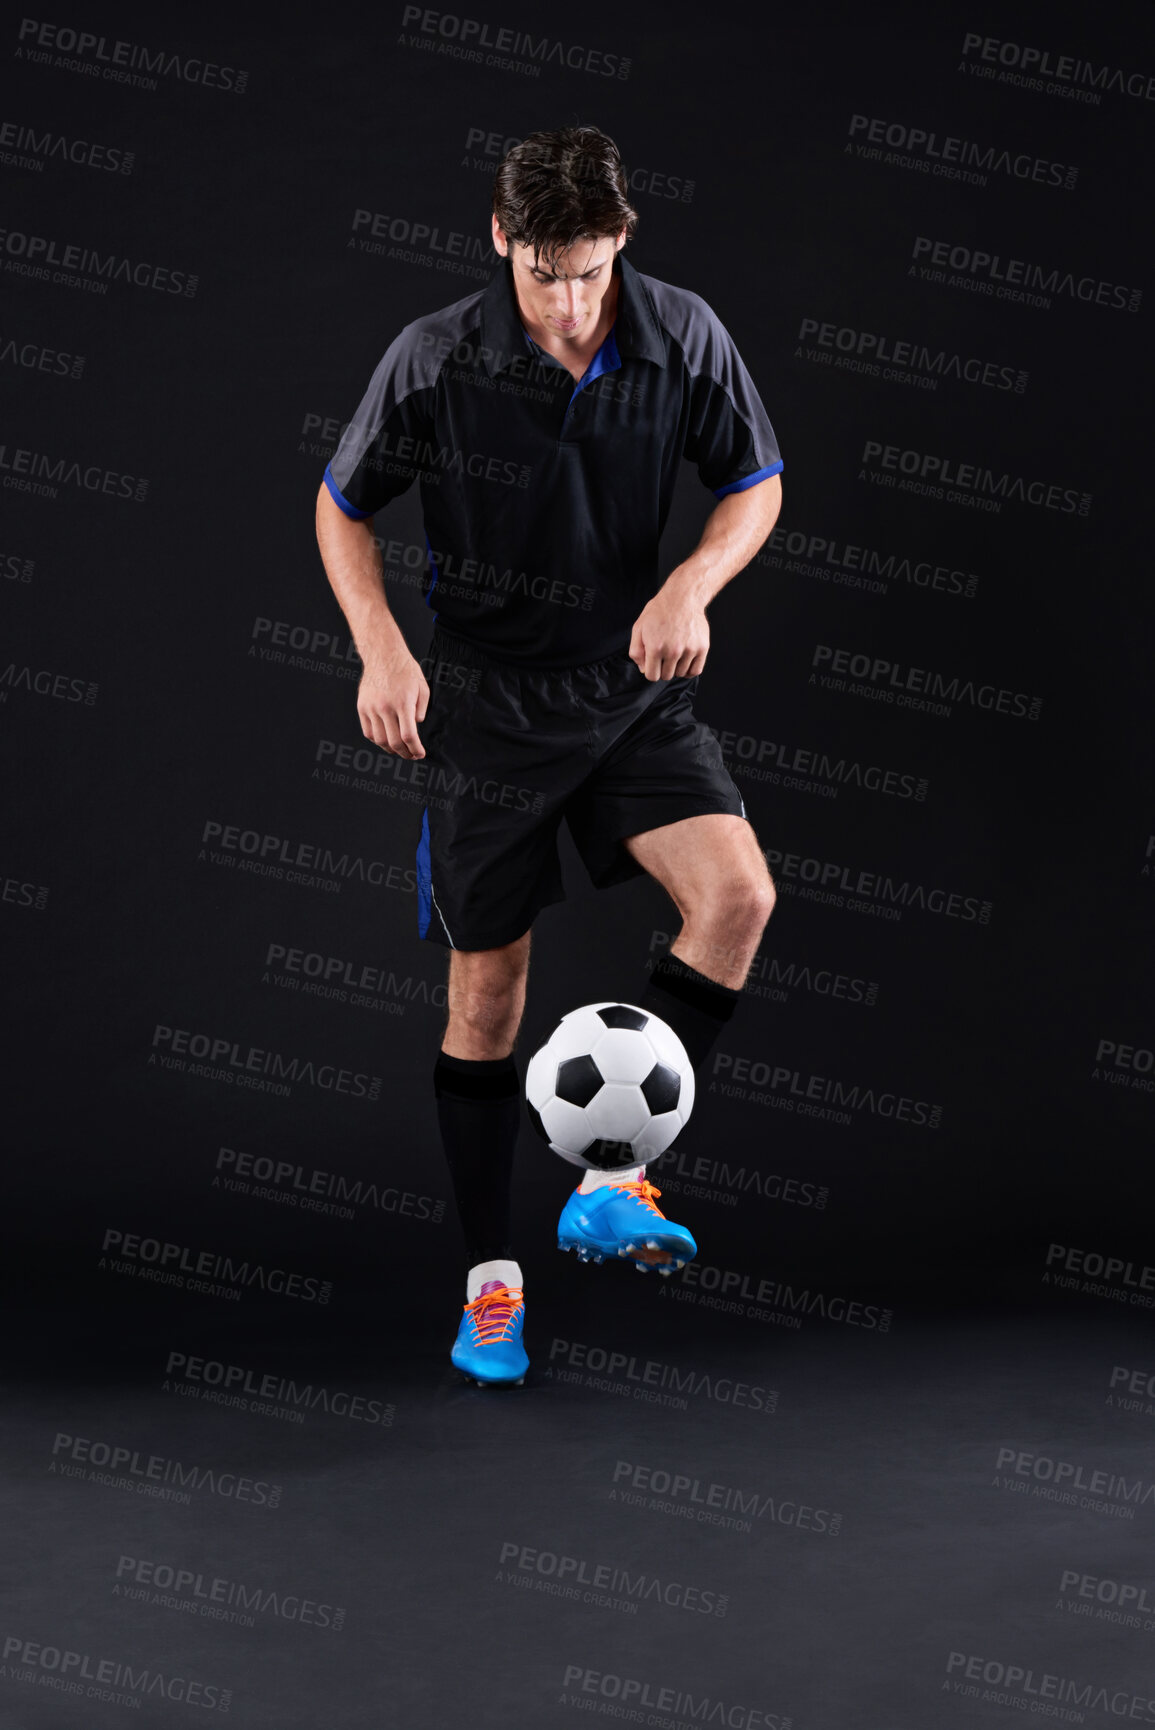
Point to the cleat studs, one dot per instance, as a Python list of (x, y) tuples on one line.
[(667, 1271)]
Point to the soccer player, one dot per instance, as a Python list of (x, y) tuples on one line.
[(546, 417)]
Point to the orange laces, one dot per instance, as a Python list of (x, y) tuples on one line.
[(643, 1190), (492, 1314)]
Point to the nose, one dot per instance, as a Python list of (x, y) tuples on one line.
[(567, 305)]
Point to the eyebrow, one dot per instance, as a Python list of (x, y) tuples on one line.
[(540, 268)]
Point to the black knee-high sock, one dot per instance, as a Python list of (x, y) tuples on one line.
[(479, 1112), (696, 1008)]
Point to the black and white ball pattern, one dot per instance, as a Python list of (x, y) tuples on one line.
[(611, 1087)]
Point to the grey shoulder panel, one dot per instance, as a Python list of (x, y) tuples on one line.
[(419, 351), (711, 354), (695, 327), (409, 366)]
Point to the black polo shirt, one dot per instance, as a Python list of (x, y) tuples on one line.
[(543, 499)]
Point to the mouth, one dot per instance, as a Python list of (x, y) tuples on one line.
[(567, 323)]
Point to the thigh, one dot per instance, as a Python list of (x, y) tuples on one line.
[(485, 997), (482, 973)]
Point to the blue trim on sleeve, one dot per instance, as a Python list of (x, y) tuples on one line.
[(339, 498), (749, 480)]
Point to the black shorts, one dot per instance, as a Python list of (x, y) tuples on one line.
[(511, 750)]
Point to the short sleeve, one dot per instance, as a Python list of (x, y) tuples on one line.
[(730, 437), (387, 444)]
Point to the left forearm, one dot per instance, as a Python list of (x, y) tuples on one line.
[(735, 529)]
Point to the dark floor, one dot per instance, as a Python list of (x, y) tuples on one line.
[(735, 1521)]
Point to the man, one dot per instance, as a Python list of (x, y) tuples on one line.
[(547, 416)]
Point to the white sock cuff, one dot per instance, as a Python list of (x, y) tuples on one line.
[(507, 1272), (595, 1179)]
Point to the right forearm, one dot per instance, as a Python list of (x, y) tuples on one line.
[(352, 562)]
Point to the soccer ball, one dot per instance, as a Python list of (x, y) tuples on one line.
[(611, 1087)]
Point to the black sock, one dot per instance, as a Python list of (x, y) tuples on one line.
[(696, 1008), (479, 1111)]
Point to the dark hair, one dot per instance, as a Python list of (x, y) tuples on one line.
[(555, 188)]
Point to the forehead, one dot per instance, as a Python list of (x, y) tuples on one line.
[(581, 257)]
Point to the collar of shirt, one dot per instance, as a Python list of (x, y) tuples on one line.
[(635, 330), (607, 358)]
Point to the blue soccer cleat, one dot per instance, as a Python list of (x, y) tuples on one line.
[(622, 1219), (488, 1345)]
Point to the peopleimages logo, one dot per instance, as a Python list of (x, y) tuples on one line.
[(882, 356), (711, 1503), (830, 559), (940, 477), (44, 682), (42, 147), (1118, 1600), (730, 1073), (686, 1707), (718, 1180), (118, 61), (953, 158), (29, 471), (1024, 1687), (170, 1262), (465, 38), (110, 1679), (652, 1377), (1028, 66), (608, 1577), (225, 1059), (240, 1386), (810, 769), (885, 677), (267, 855), (217, 1597), (152, 1474), (408, 454), (315, 1191), (830, 883), (36, 357), (1019, 279), (753, 1295), (1067, 1476), (1099, 1275), (1124, 1065), (33, 254)]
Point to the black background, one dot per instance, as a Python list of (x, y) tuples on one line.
[(117, 922)]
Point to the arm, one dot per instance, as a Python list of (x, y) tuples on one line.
[(671, 635), (393, 694)]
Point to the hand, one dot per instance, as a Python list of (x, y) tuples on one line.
[(392, 697), (671, 637)]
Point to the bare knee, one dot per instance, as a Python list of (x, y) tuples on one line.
[(740, 901), (486, 997)]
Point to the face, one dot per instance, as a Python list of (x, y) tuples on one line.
[(565, 298)]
